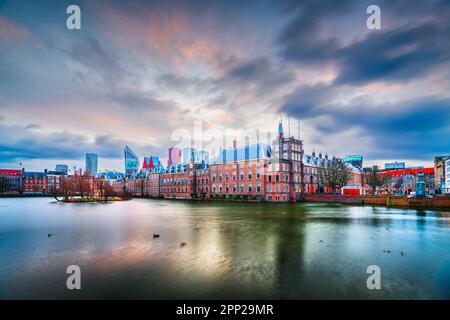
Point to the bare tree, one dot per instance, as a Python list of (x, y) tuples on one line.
[(375, 179), (335, 175)]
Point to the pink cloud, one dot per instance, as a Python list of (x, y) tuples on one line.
[(11, 31)]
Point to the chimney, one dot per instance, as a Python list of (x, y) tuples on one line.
[(326, 156), (314, 153), (234, 143), (320, 154)]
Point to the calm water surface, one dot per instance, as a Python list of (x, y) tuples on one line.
[(233, 250)]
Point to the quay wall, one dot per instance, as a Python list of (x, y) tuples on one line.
[(438, 201)]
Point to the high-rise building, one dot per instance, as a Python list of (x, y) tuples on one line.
[(131, 162), (174, 156), (64, 168), (189, 155), (91, 164), (202, 156)]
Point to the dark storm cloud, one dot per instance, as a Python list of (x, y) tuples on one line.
[(307, 101), (260, 70), (141, 101), (415, 128), (396, 53), (400, 54), (54, 145), (259, 73), (300, 41), (92, 53)]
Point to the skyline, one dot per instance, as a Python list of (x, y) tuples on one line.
[(137, 72)]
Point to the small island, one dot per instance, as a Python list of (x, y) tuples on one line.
[(83, 188)]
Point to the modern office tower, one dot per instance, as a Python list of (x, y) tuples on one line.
[(203, 156), (189, 155), (91, 164), (131, 162)]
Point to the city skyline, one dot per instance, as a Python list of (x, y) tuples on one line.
[(134, 74)]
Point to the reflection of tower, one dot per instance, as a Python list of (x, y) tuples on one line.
[(289, 256), (280, 138)]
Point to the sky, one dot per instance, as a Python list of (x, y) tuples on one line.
[(150, 74)]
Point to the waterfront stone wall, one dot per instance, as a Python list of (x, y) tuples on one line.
[(438, 201)]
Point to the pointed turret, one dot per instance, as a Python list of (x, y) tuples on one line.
[(280, 129)]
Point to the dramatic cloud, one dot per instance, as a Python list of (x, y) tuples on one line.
[(139, 71)]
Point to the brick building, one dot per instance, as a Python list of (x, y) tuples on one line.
[(11, 181), (35, 183)]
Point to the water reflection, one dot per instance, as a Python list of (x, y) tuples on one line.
[(232, 250)]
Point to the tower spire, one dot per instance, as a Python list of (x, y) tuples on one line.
[(280, 129)]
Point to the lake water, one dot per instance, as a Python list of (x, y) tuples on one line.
[(232, 250)]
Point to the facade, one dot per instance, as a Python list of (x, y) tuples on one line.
[(91, 164), (311, 168), (35, 183), (403, 181), (447, 175), (11, 181), (202, 183), (178, 182), (53, 180), (240, 179), (441, 171), (131, 162), (278, 173), (151, 184), (278, 184)]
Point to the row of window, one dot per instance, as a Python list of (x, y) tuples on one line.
[(241, 176), (226, 188)]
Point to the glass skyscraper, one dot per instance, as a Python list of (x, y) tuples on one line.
[(131, 162), (91, 164)]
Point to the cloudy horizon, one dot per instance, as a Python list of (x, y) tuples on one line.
[(138, 72)]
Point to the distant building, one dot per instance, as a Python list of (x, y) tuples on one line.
[(403, 181), (202, 156), (189, 155), (174, 156), (91, 164), (150, 163), (53, 180), (131, 162), (35, 183), (110, 177), (440, 174), (62, 168), (11, 181), (354, 161), (447, 175), (394, 165)]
